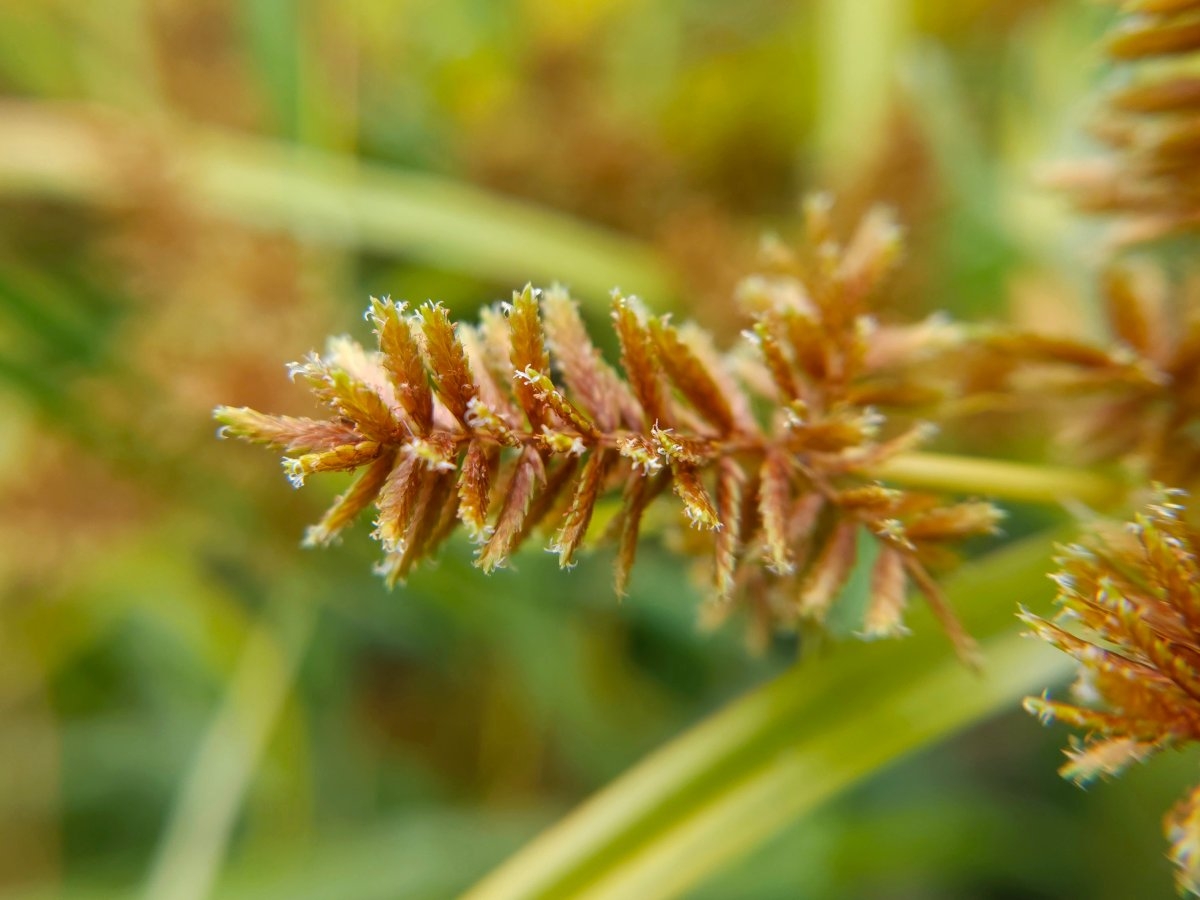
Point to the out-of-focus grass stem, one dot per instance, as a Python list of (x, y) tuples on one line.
[(198, 831)]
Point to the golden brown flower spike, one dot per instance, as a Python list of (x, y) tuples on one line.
[(1152, 127), (1129, 613), (1135, 401), (1142, 393), (1154, 416), (521, 422)]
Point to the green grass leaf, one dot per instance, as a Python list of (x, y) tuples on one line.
[(735, 780)]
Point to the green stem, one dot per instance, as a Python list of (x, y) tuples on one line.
[(726, 786), (333, 199), (1000, 479)]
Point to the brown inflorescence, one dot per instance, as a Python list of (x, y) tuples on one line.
[(1149, 411), (1134, 400), (1129, 613), (519, 423), (1151, 125)]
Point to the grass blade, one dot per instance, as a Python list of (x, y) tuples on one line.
[(192, 850), (337, 199), (730, 783)]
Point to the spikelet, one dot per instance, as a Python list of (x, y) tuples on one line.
[(401, 359), (295, 435), (520, 424), (1129, 614), (446, 359), (885, 614)]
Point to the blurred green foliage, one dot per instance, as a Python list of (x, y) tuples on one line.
[(194, 193)]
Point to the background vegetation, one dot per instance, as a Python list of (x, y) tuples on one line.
[(194, 192)]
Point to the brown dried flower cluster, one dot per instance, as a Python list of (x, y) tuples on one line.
[(1151, 125), (1129, 612), (1148, 411), (1129, 600), (1135, 400), (519, 423)]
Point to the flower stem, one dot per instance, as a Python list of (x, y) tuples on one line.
[(1001, 479)]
